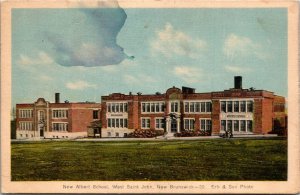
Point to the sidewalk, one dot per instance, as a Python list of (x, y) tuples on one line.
[(160, 138)]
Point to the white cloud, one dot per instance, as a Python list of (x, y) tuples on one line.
[(79, 85), (171, 42), (41, 59), (45, 78), (239, 46), (236, 69), (188, 74), (138, 79)]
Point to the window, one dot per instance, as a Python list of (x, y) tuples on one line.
[(95, 114), (223, 125), (229, 106), (108, 107), (223, 106), (109, 134), (243, 125), (159, 123), (117, 123), (25, 113), (174, 107), (117, 107), (145, 123), (205, 124), (197, 107), (59, 126), (189, 124), (236, 106), (208, 106), (202, 106), (243, 106), (249, 106), (26, 126), (208, 125), (117, 134), (125, 122), (121, 107), (229, 125), (186, 107), (236, 125), (109, 122), (60, 113), (249, 126), (192, 107)]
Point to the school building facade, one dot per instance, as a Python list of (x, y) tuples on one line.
[(43, 119), (241, 111)]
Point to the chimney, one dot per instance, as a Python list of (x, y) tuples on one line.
[(238, 82), (57, 98)]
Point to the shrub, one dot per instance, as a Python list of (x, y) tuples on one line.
[(192, 133), (142, 133)]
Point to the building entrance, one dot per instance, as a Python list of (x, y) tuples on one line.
[(173, 126)]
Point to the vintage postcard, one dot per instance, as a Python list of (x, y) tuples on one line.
[(119, 96)]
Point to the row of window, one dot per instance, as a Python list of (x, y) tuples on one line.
[(59, 126), (237, 106), (205, 124), (153, 107), (25, 126), (117, 134), (117, 107), (25, 113), (60, 113), (237, 125), (117, 122), (192, 107)]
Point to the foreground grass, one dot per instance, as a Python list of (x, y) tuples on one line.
[(150, 160)]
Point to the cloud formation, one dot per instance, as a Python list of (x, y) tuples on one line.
[(171, 42), (188, 74), (238, 46), (79, 85), (237, 69), (41, 59), (95, 42)]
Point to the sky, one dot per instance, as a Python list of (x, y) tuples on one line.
[(86, 53)]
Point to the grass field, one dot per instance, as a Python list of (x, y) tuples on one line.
[(220, 159)]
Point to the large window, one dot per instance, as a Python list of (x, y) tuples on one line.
[(196, 107), (117, 107), (249, 106), (229, 106), (189, 124), (249, 126), (237, 106), (59, 126), (59, 113), (159, 123), (25, 113), (205, 124), (237, 125), (152, 107), (25, 126), (223, 125), (223, 106), (145, 123), (117, 122), (95, 114), (174, 106), (243, 106)]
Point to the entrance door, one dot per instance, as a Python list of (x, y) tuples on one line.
[(173, 126), (41, 131)]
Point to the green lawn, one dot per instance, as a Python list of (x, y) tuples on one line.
[(219, 159)]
